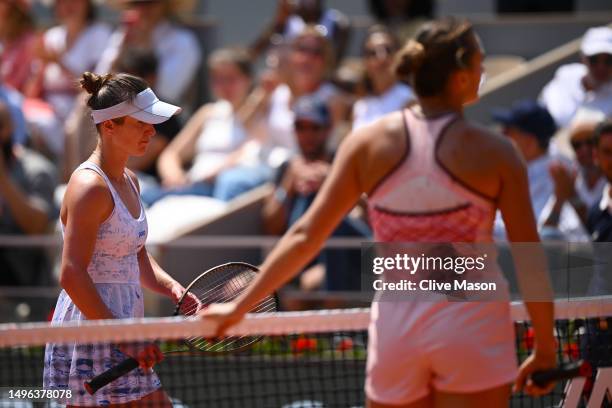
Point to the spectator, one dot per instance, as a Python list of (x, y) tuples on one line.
[(297, 184), (17, 41), (14, 102), (27, 181), (64, 52), (292, 16), (586, 85), (211, 140), (304, 73), (581, 187), (598, 338), (403, 17), (148, 24), (530, 126), (599, 221), (385, 93)]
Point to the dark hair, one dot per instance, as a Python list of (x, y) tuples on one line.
[(111, 89), (603, 128), (380, 29), (420, 8), (137, 61), (237, 56), (439, 48)]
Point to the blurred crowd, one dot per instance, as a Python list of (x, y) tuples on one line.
[(281, 104)]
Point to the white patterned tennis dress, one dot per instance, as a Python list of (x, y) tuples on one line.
[(115, 273)]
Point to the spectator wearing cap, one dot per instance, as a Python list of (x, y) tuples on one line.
[(151, 24), (17, 43), (297, 182), (586, 85), (530, 126), (63, 53)]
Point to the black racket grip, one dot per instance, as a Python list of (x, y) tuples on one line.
[(578, 368), (110, 375)]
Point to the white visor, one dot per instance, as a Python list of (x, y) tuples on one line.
[(145, 107)]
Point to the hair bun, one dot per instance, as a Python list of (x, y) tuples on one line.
[(92, 83), (409, 59)]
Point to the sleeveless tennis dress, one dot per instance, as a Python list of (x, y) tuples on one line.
[(455, 347), (115, 273)]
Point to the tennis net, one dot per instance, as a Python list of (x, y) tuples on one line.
[(305, 359)]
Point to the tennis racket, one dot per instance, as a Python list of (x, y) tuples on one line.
[(220, 284), (567, 371)]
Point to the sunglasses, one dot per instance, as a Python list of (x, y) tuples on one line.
[(304, 49), (308, 127), (378, 52), (605, 59), (577, 144)]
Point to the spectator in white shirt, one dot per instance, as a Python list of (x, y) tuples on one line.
[(148, 24), (585, 85), (385, 93), (65, 51), (530, 126)]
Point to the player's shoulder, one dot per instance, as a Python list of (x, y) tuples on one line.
[(87, 188), (492, 146)]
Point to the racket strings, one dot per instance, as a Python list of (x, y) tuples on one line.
[(218, 284), (221, 287), (266, 305)]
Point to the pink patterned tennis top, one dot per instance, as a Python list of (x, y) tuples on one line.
[(421, 200)]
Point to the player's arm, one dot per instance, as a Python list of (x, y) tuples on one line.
[(337, 196), (530, 262), (153, 276), (88, 203)]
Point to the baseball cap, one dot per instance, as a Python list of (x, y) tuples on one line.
[(597, 40), (312, 109), (528, 116)]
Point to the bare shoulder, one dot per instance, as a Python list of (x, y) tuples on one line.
[(384, 138), (493, 147), (88, 193), (378, 148)]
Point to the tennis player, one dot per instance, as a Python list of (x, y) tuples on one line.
[(431, 176), (104, 260)]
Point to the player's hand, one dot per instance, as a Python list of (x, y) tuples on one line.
[(147, 354), (224, 315), (190, 305), (535, 362)]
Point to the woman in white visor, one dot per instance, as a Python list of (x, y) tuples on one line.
[(104, 260)]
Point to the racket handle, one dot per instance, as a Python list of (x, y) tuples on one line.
[(578, 368), (110, 375)]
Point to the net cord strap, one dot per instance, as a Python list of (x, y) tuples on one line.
[(280, 323)]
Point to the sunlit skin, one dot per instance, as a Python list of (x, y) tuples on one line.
[(130, 138)]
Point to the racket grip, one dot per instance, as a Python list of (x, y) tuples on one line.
[(578, 368), (110, 375)]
